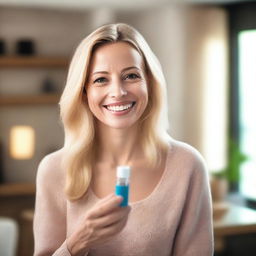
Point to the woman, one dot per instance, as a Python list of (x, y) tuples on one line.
[(114, 113)]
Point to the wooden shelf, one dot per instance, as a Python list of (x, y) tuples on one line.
[(33, 62), (19, 189), (29, 99)]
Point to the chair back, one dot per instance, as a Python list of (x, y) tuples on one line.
[(8, 236)]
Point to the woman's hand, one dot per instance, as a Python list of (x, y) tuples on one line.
[(99, 225)]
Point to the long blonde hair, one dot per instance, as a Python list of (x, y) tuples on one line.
[(78, 121)]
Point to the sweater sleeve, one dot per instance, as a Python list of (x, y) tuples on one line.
[(194, 235), (50, 211)]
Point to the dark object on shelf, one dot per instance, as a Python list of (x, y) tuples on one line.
[(25, 47), (2, 47), (48, 86)]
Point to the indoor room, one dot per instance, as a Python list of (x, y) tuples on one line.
[(207, 52)]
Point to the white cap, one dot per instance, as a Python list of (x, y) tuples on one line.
[(123, 171)]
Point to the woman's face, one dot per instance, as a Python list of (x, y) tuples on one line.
[(117, 91)]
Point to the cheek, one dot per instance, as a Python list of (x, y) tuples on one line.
[(93, 99), (144, 93), (144, 97)]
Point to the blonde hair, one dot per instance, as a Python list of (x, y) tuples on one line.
[(78, 121)]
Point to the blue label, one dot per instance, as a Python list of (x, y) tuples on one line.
[(124, 192)]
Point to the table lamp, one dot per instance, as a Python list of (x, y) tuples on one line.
[(22, 142)]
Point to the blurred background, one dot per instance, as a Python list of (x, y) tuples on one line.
[(208, 54)]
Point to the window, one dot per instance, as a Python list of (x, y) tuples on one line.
[(247, 110)]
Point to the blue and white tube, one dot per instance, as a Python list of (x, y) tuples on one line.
[(122, 183)]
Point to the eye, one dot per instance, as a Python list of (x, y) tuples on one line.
[(131, 76), (100, 80)]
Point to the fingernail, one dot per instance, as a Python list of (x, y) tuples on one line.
[(120, 198)]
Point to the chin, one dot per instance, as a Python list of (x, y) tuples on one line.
[(119, 125)]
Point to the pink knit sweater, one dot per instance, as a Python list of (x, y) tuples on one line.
[(174, 220)]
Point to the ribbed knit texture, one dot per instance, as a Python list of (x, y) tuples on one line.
[(174, 220)]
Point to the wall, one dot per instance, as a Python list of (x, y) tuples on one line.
[(54, 35), (206, 83)]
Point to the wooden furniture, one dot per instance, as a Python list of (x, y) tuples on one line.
[(31, 62), (17, 189), (29, 100), (236, 220), (26, 246)]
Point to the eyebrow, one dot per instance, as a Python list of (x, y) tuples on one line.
[(125, 69)]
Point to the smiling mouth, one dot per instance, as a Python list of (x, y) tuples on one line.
[(120, 108)]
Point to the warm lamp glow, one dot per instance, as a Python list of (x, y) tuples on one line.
[(22, 142)]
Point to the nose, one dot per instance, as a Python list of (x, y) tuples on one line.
[(117, 90)]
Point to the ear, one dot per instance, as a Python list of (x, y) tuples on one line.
[(84, 95)]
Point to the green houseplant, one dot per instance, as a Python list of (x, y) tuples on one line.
[(235, 158), (228, 178)]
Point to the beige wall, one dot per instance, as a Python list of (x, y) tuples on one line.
[(205, 96)]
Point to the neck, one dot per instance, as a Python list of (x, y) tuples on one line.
[(117, 146)]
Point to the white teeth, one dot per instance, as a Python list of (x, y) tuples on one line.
[(119, 108)]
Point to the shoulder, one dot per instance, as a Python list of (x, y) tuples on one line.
[(50, 169), (50, 184), (188, 156)]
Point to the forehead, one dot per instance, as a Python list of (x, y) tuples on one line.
[(115, 55)]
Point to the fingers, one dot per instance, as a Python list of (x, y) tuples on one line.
[(113, 229), (105, 206), (105, 199), (113, 217), (103, 221)]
